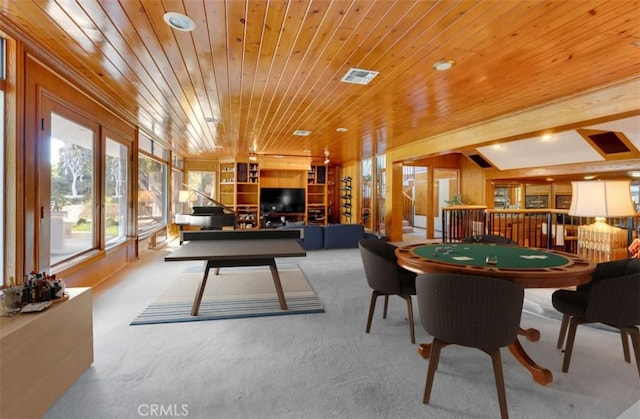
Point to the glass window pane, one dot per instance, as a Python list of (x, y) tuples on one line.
[(177, 162), (145, 143), (205, 183), (72, 190), (176, 187), (115, 215), (152, 192), (367, 177)]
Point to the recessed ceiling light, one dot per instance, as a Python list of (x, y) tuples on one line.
[(342, 129), (443, 65), (302, 133), (589, 177), (634, 173), (179, 21), (547, 137), (497, 146)]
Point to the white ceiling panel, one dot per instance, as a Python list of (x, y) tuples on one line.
[(564, 148), (629, 125)]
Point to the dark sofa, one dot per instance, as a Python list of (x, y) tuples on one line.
[(330, 236)]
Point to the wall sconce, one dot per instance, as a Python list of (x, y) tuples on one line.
[(601, 242)]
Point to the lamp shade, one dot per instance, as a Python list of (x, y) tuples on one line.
[(607, 198)]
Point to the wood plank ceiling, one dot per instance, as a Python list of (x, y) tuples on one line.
[(261, 70)]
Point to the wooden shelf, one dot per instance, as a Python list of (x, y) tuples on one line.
[(317, 195)]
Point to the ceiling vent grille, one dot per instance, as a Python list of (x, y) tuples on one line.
[(610, 144), (480, 161), (359, 76)]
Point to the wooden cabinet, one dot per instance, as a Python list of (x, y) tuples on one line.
[(317, 195), (43, 354), (537, 196)]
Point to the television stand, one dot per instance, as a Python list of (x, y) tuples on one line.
[(278, 219)]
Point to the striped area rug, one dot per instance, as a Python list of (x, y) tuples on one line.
[(234, 293)]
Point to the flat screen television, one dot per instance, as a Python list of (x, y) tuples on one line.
[(284, 200)]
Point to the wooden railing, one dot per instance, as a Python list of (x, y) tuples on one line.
[(544, 228)]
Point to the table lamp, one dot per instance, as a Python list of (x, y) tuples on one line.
[(601, 242)]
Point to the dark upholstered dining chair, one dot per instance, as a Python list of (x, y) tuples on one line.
[(611, 297), (386, 277), (488, 238), (474, 311)]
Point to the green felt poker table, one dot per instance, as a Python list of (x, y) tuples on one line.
[(526, 266)]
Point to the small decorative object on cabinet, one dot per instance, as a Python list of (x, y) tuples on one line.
[(316, 195), (345, 197)]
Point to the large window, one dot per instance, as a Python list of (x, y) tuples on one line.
[(115, 191), (152, 186), (205, 183), (72, 200)]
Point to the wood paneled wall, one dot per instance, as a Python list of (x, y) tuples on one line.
[(473, 183), (421, 186), (283, 179)]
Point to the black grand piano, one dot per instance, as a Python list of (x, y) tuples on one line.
[(214, 216)]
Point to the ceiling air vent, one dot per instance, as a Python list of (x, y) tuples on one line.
[(359, 76), (480, 161), (610, 144)]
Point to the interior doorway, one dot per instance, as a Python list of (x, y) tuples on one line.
[(415, 201), (446, 191)]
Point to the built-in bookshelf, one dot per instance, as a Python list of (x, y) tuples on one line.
[(317, 195), (248, 194), (227, 184)]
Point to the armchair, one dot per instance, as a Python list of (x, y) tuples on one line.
[(386, 277), (612, 297)]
